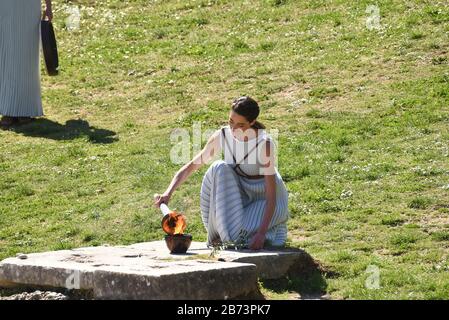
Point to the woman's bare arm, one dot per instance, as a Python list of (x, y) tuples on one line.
[(209, 151), (270, 198)]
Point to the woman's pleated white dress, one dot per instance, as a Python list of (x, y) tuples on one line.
[(232, 206), (20, 91)]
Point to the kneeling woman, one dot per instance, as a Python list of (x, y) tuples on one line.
[(243, 197)]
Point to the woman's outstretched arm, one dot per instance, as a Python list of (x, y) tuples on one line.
[(209, 151)]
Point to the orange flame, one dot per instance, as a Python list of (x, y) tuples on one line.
[(174, 223)]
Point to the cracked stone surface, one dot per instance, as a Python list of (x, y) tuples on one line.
[(149, 271)]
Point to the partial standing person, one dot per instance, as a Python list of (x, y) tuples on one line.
[(20, 90), (243, 198)]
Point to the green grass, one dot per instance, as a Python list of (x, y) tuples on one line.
[(362, 116)]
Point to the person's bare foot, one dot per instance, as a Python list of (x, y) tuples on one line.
[(7, 121)]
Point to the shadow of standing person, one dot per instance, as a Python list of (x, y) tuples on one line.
[(72, 129)]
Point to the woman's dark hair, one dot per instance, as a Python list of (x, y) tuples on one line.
[(248, 108)]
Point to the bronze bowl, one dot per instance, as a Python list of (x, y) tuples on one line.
[(178, 243)]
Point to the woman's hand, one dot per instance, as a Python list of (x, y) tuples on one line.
[(257, 241), (48, 10), (161, 198)]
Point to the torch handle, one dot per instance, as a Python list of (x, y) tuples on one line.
[(164, 208)]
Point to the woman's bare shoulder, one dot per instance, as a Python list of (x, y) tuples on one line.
[(216, 135), (220, 131)]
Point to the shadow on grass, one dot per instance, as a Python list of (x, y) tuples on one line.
[(306, 277), (72, 129)]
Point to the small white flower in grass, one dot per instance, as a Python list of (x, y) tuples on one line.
[(445, 187), (346, 194), (296, 104), (109, 16), (367, 168)]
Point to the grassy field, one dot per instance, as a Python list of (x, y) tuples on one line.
[(362, 114)]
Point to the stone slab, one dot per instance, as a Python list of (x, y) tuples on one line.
[(148, 271), (271, 263)]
